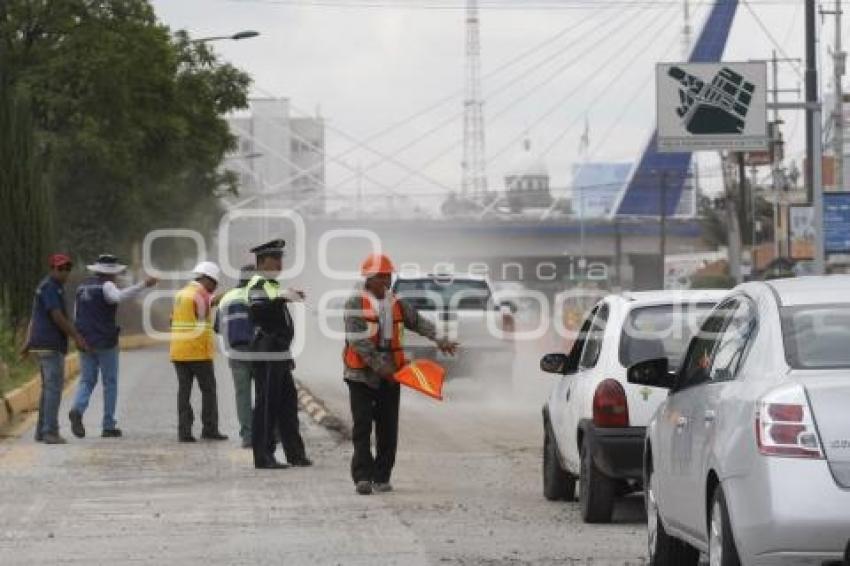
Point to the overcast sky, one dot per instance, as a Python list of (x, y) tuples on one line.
[(366, 68)]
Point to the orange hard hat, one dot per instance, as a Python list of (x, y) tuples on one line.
[(424, 376), (376, 264)]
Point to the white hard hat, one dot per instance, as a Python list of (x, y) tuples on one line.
[(208, 269)]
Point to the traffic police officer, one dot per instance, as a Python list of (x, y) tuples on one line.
[(276, 404)]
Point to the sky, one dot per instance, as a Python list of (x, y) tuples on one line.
[(368, 65)]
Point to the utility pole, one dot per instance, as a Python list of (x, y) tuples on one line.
[(662, 211), (839, 58), (776, 141), (811, 96), (838, 112)]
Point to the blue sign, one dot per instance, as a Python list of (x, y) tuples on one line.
[(836, 222)]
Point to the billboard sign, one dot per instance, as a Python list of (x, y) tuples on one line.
[(801, 232), (712, 106), (836, 222)]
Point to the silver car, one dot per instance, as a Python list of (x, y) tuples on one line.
[(748, 459)]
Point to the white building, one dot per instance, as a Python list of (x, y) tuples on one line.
[(278, 156)]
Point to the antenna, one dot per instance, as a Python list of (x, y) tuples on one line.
[(474, 179)]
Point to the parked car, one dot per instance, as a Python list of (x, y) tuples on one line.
[(463, 308), (748, 459), (594, 421)]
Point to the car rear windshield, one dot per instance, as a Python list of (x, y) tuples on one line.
[(662, 331), (431, 293), (817, 337)]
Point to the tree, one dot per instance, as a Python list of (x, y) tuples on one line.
[(27, 212), (129, 117)]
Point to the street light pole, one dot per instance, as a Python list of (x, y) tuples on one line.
[(247, 34)]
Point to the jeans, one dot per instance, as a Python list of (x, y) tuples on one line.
[(187, 372), (52, 366), (378, 407), (242, 371), (107, 362)]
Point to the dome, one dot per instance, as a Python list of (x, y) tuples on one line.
[(528, 164)]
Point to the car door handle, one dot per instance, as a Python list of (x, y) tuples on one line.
[(710, 416)]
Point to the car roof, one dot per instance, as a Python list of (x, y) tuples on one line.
[(810, 290), (640, 298)]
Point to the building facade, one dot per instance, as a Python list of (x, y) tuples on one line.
[(278, 157)]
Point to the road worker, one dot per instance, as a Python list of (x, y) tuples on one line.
[(374, 323), (192, 351), (276, 404), (96, 313)]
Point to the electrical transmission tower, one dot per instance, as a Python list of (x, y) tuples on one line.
[(474, 182)]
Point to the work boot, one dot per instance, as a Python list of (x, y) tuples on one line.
[(54, 438), (77, 423), (213, 436), (39, 437), (271, 464), (187, 438), (364, 487), (302, 462), (111, 433), (382, 487)]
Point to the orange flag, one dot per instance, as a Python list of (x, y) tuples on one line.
[(425, 376)]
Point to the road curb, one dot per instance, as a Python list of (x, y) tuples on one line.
[(319, 413), (19, 402)]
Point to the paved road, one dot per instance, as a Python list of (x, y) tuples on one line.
[(467, 488)]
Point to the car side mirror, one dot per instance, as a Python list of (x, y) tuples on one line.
[(654, 373), (559, 363)]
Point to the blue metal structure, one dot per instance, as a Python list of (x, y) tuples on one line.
[(643, 193)]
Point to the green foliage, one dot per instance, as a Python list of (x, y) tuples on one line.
[(129, 117), (13, 371), (26, 214)]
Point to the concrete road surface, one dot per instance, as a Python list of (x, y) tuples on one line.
[(467, 486)]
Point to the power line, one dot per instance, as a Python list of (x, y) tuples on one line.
[(583, 84), (535, 5)]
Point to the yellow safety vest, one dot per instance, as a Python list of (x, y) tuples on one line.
[(191, 339)]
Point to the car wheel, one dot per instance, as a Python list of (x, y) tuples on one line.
[(721, 542), (664, 550), (596, 490), (558, 484)]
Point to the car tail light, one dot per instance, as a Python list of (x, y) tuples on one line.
[(610, 407), (785, 427)]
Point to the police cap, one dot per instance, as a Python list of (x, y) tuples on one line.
[(273, 248)]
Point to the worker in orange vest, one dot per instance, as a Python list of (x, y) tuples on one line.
[(374, 323)]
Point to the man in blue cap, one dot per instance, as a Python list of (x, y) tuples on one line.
[(276, 407), (96, 315)]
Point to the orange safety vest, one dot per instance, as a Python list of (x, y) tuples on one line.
[(352, 359), (191, 337)]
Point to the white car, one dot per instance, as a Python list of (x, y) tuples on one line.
[(463, 308), (748, 459), (594, 421)]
